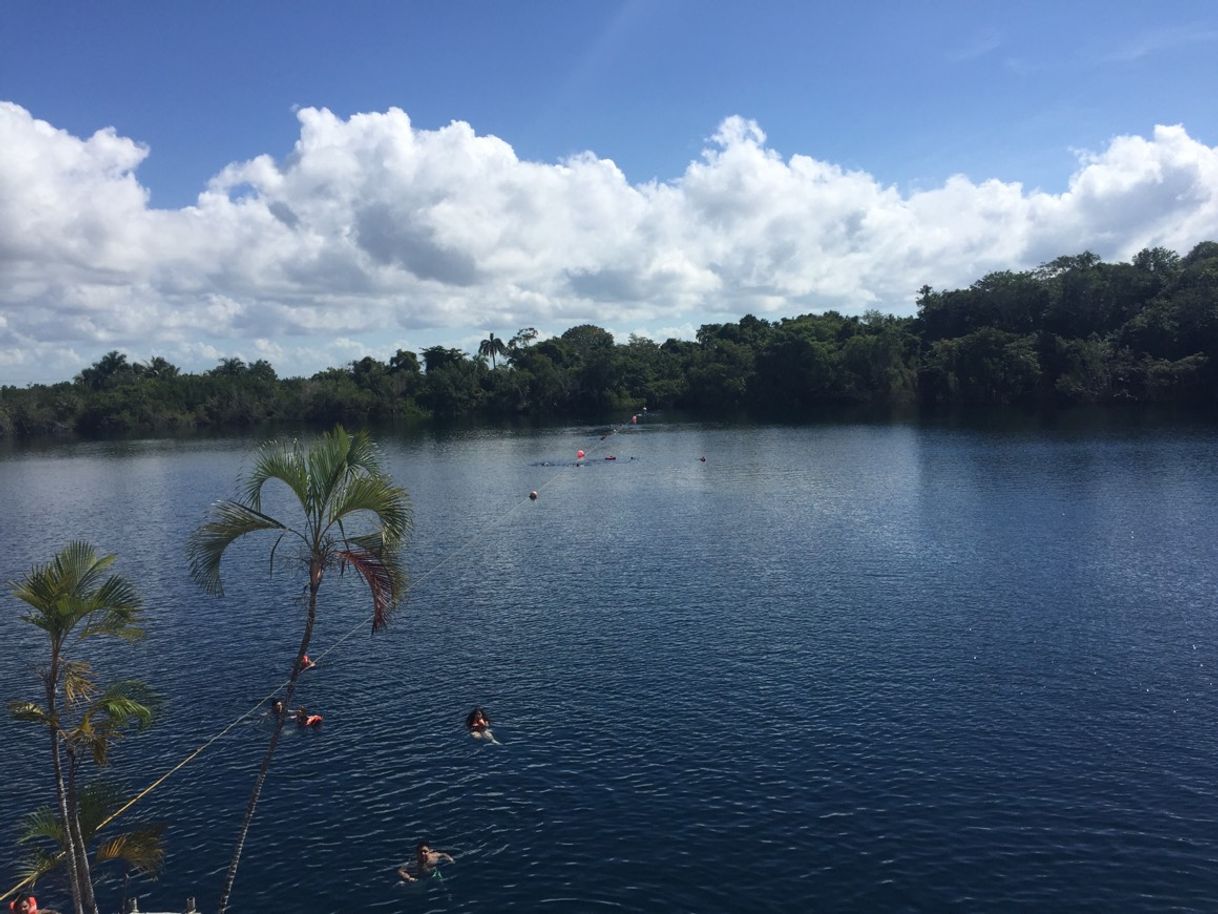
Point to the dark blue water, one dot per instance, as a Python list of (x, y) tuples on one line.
[(893, 667)]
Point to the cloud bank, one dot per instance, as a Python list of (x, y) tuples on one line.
[(371, 232)]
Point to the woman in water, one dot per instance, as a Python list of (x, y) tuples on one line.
[(479, 726), (425, 862)]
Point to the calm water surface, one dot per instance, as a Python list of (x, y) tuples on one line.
[(872, 667)]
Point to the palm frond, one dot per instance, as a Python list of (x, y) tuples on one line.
[(53, 589), (363, 455), (79, 567), (230, 520), (43, 824), (385, 579), (78, 682), (38, 864), (102, 722), (377, 495), (327, 467), (115, 606), (281, 460), (141, 849), (125, 701), (96, 802), (30, 712)]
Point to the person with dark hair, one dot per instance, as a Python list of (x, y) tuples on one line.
[(27, 904), (426, 862), (305, 719), (478, 723)]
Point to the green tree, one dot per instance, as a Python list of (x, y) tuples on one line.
[(351, 515), (111, 370), (524, 338), (232, 367), (491, 347), (158, 368), (72, 600)]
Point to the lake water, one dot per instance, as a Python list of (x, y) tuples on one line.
[(896, 666)]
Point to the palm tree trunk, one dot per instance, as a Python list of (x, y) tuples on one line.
[(61, 796), (231, 876), (87, 900), (61, 790)]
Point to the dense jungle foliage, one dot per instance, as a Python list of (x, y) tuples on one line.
[(1075, 330)]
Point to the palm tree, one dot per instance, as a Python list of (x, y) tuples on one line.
[(490, 347), (140, 848), (229, 367), (108, 371), (158, 368), (71, 600), (339, 485)]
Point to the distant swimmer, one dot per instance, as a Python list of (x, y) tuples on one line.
[(305, 719), (702, 460), (478, 723), (425, 863), (306, 663)]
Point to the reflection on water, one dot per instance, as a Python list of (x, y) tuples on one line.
[(863, 665)]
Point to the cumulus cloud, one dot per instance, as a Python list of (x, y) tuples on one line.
[(372, 230)]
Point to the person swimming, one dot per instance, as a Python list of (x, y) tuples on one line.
[(426, 863), (27, 904), (305, 719), (478, 723)]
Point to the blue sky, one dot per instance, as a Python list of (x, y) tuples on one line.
[(1024, 96)]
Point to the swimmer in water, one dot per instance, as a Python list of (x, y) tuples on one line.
[(479, 726), (305, 719), (426, 862), (25, 904)]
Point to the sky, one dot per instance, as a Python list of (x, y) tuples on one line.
[(311, 183)]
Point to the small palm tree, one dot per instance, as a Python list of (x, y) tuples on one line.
[(72, 599), (340, 488), (140, 849), (491, 347)]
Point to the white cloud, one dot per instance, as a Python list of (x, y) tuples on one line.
[(372, 230)]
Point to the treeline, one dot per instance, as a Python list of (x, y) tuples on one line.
[(1075, 330)]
